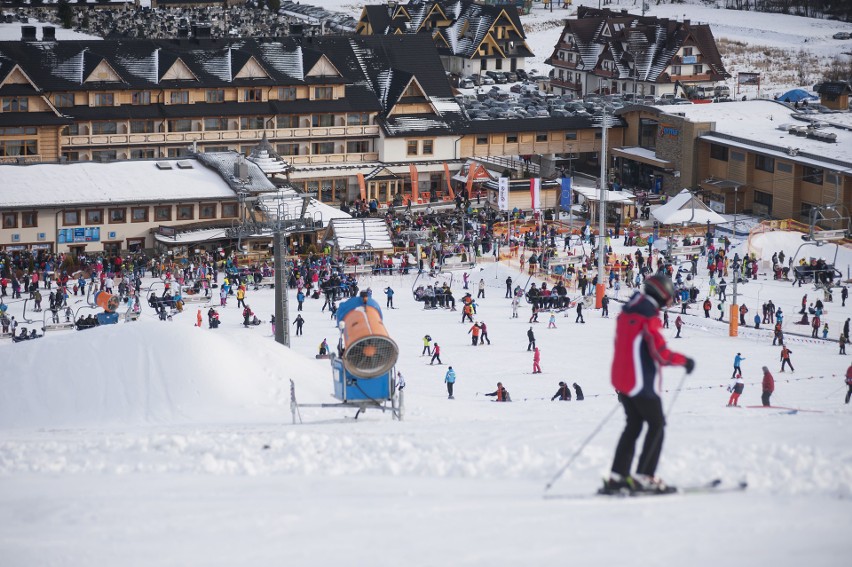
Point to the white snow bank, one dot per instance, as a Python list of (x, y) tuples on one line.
[(131, 374)]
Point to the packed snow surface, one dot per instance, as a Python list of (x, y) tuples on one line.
[(164, 443)]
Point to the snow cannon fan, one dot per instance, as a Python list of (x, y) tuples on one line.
[(368, 350), (109, 303)]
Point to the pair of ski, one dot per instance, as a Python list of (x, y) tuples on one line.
[(715, 486)]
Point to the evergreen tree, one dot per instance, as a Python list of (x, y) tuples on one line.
[(65, 13)]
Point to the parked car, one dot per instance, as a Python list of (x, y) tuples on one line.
[(522, 75), (512, 76), (466, 84), (497, 76), (842, 35), (485, 80)]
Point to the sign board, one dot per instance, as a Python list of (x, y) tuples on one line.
[(75, 235), (690, 59), (717, 206), (503, 194), (566, 199), (748, 79)]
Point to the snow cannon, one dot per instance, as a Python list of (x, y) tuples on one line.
[(109, 303), (368, 350)]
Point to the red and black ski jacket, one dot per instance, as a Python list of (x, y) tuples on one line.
[(640, 349)]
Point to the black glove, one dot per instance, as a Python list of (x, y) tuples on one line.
[(690, 365)]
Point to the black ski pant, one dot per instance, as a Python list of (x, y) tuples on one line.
[(435, 357), (677, 336), (849, 393), (786, 361), (640, 411), (426, 350), (450, 389), (508, 291), (765, 398)]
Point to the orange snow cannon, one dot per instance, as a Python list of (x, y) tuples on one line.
[(107, 302), (368, 350)]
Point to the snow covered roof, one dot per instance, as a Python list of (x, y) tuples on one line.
[(686, 208), (121, 182), (622, 196), (761, 126), (365, 234)]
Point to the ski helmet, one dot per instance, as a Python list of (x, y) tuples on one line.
[(660, 288)]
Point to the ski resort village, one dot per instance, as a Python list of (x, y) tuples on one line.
[(425, 282)]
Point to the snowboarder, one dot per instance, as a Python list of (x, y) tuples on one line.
[(247, 314), (735, 388), (501, 394), (768, 387), (436, 355), (579, 391), (531, 337), (536, 360), (564, 393), (785, 358), (737, 361), (450, 379), (299, 322), (640, 350), (323, 348)]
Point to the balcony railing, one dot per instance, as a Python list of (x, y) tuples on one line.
[(277, 134)]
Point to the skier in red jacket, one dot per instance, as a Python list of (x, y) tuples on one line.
[(640, 352)]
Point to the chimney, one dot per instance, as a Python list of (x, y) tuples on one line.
[(202, 31), (28, 33), (183, 33), (241, 170), (686, 23), (48, 33)]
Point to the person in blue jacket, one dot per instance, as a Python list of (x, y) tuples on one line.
[(737, 370), (300, 297), (389, 292), (450, 379)]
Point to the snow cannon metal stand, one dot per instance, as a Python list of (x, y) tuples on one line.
[(363, 372)]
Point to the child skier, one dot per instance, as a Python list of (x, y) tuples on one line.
[(501, 394), (735, 388), (551, 323)]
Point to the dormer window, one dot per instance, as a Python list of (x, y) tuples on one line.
[(104, 99), (323, 93), (253, 95), (15, 104), (179, 97), (687, 51)]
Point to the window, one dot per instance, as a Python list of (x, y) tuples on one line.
[(140, 97), (180, 125), (207, 211), (511, 138), (70, 218), (698, 70), (412, 147), (357, 119), (179, 97), (498, 63), (806, 211), (687, 51), (117, 216), (185, 212), (94, 216), (229, 210), (63, 100), (18, 131), (71, 130), (29, 219), (211, 124), (287, 121), (215, 149), (10, 220), (163, 213), (323, 93), (139, 214), (71, 156), (812, 175), (570, 135), (428, 147), (322, 120), (481, 140), (142, 127), (647, 134), (143, 153), (737, 156), (764, 163), (288, 149), (15, 104), (13, 148), (719, 152), (541, 137), (287, 93), (411, 90), (252, 123), (104, 99), (357, 146), (253, 95), (215, 95), (322, 148), (104, 155), (762, 198), (177, 152), (784, 167), (104, 128), (675, 69)]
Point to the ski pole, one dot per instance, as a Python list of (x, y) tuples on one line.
[(582, 446), (835, 392)]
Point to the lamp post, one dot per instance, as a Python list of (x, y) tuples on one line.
[(600, 289)]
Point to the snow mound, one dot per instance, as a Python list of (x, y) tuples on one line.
[(131, 374)]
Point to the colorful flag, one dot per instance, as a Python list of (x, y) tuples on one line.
[(503, 194), (566, 199)]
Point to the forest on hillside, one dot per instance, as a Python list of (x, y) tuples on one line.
[(834, 9)]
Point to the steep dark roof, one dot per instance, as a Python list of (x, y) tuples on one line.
[(833, 89)]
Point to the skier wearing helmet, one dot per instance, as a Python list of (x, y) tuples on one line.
[(640, 352)]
